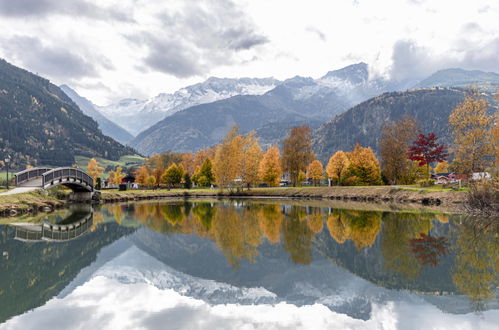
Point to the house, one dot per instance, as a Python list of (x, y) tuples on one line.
[(445, 178), (480, 176)]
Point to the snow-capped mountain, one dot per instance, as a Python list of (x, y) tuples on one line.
[(137, 115), (302, 99)]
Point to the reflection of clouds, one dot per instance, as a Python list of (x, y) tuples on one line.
[(106, 303)]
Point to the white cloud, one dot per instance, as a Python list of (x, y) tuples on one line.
[(140, 48), (104, 303)]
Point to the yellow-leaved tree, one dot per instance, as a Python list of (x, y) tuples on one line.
[(442, 167), (315, 171), (364, 167), (337, 166), (252, 154), (228, 156), (115, 177), (270, 167), (93, 169), (297, 152), (472, 134)]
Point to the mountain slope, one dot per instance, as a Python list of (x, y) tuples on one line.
[(461, 78), (138, 115), (362, 123), (108, 127), (205, 125), (296, 99), (41, 124)]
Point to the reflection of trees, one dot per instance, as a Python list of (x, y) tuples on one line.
[(235, 235), (172, 212), (297, 236), (477, 260), (270, 221), (398, 229), (362, 227), (204, 212), (315, 221), (427, 249)]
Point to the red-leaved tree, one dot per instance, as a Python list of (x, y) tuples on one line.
[(426, 150)]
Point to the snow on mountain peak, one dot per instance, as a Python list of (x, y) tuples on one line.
[(138, 115)]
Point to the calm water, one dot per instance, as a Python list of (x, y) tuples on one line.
[(249, 264)]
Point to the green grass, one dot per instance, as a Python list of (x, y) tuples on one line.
[(427, 189), (82, 161)]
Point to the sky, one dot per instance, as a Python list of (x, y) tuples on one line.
[(108, 50)]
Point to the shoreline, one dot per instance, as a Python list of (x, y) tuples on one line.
[(407, 197)]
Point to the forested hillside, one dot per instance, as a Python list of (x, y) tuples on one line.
[(362, 124), (41, 125)]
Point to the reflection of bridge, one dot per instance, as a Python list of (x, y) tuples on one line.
[(46, 178), (53, 232)]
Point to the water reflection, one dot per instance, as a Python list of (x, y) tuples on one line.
[(301, 253), (425, 252)]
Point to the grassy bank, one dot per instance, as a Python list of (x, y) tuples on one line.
[(398, 197), (424, 196), (28, 203)]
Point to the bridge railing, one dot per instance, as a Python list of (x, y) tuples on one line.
[(29, 174), (67, 173)]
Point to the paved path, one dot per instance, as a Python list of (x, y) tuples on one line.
[(19, 190)]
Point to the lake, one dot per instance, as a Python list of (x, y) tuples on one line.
[(230, 264)]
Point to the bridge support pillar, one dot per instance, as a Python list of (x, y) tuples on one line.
[(85, 196)]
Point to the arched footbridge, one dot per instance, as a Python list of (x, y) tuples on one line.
[(46, 231), (46, 178)]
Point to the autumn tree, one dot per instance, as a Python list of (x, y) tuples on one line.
[(204, 177), (142, 174), (315, 171), (364, 166), (393, 144), (150, 181), (270, 167), (337, 166), (472, 134), (94, 170), (426, 150), (442, 167), (297, 151), (116, 176), (227, 163), (173, 175), (252, 154), (188, 163)]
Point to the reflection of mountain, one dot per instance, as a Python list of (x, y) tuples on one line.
[(372, 245), (32, 273), (261, 253)]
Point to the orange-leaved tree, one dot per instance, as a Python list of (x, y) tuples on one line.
[(93, 169), (270, 167), (141, 175), (337, 166), (297, 152), (315, 171), (364, 166), (252, 154)]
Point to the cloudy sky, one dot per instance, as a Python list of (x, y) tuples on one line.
[(113, 49)]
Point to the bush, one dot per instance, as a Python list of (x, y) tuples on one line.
[(483, 199), (426, 183)]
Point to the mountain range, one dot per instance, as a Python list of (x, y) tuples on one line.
[(298, 99), (344, 106), (42, 125), (137, 115)]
